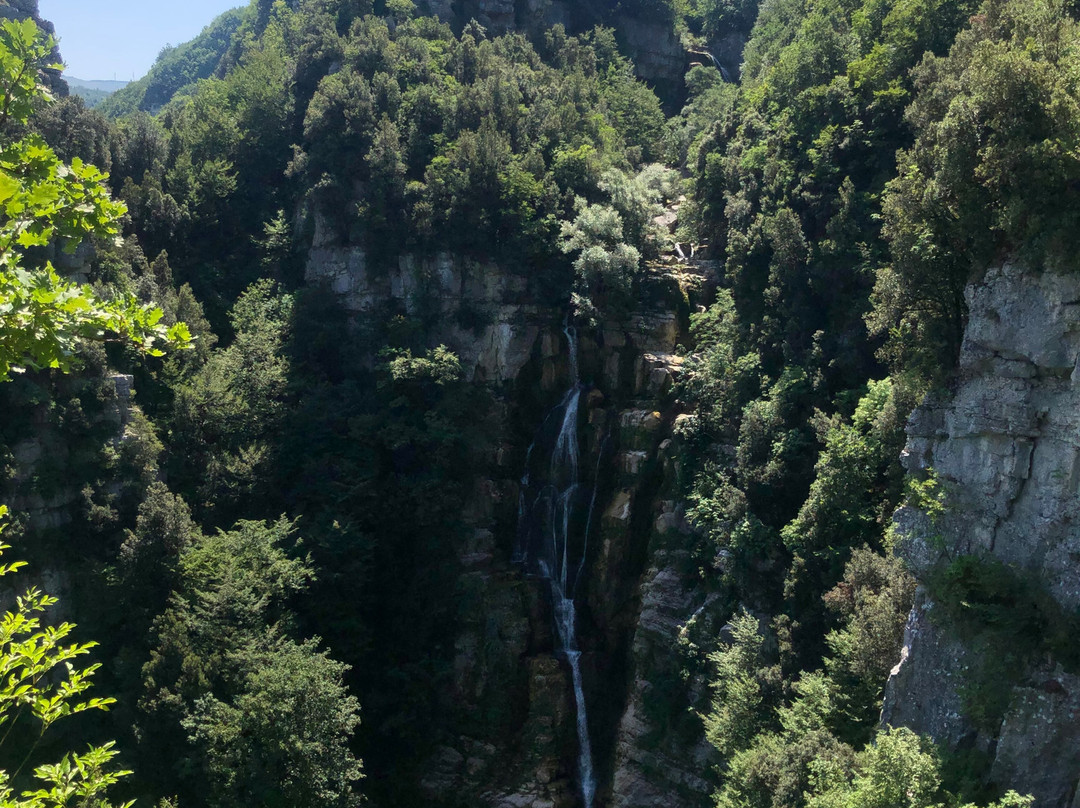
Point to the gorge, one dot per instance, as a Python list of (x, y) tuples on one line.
[(580, 405)]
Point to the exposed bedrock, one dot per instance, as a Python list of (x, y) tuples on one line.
[(1006, 444), (506, 728)]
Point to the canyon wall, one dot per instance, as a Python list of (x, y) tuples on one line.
[(1005, 444), (506, 729)]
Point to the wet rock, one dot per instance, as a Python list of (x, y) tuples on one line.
[(631, 464)]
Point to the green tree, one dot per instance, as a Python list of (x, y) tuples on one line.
[(993, 172), (224, 415), (231, 697), (43, 318), (606, 266), (39, 685), (744, 689), (284, 741), (775, 769)]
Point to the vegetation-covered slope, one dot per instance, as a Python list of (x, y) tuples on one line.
[(876, 156), (177, 68)]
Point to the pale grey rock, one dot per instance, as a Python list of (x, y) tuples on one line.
[(118, 409), (443, 9), (655, 49), (728, 50), (923, 690), (496, 15), (1006, 444), (1038, 743)]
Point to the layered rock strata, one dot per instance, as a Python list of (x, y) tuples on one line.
[(1006, 444), (506, 731)]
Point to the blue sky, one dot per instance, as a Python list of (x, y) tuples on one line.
[(105, 39)]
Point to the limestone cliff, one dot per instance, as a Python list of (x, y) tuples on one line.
[(1006, 444), (506, 727)]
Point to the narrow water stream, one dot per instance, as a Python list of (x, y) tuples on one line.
[(553, 525)]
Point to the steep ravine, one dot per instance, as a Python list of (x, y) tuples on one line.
[(1005, 442), (507, 733)]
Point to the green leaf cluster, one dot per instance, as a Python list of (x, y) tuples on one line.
[(44, 318), (39, 686)]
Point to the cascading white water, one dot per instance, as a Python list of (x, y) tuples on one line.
[(716, 63), (544, 546)]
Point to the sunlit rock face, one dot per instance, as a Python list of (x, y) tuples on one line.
[(1006, 443)]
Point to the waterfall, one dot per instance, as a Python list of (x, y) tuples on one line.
[(549, 512), (716, 63)]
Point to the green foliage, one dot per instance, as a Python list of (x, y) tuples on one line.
[(991, 174), (231, 697), (24, 55), (898, 770), (178, 67), (606, 266), (793, 185), (150, 555), (284, 740), (406, 147), (40, 686), (873, 601), (710, 100), (744, 688), (776, 768), (407, 438), (536, 153), (719, 18), (801, 764), (224, 414), (856, 487), (43, 318)]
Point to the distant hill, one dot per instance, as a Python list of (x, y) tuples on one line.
[(178, 67), (93, 92), (102, 86)]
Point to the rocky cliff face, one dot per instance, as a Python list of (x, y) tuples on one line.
[(1006, 443), (506, 730)]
